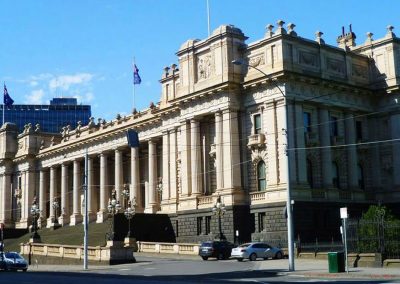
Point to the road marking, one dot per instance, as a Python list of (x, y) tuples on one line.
[(124, 269)]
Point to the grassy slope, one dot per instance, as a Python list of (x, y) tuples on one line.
[(65, 235)]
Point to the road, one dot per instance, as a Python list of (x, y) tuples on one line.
[(169, 270)]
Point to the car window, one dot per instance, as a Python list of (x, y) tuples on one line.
[(207, 244), (244, 245), (256, 246), (265, 246), (12, 255)]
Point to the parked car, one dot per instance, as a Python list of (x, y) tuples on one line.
[(252, 251), (13, 261), (218, 249)]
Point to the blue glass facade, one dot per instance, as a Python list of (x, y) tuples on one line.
[(60, 112)]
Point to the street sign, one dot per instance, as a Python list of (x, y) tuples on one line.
[(343, 213)]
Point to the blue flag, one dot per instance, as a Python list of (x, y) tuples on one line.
[(136, 78), (7, 100)]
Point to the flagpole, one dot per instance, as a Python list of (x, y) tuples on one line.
[(208, 18), (4, 87), (134, 85)]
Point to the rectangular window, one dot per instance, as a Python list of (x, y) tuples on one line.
[(208, 225), (273, 55), (199, 223), (334, 126), (261, 221), (359, 135), (307, 122), (19, 182), (257, 124)]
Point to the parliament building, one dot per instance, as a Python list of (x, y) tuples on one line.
[(220, 132)]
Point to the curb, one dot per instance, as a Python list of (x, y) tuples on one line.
[(354, 275)]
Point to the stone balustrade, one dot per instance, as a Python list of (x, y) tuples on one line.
[(173, 248)]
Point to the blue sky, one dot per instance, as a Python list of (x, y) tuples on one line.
[(85, 48)]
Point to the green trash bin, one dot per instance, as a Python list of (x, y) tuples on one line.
[(336, 262)]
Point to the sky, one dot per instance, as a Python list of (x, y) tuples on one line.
[(85, 48)]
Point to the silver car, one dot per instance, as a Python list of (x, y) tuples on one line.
[(253, 251)]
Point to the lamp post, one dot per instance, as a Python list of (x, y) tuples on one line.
[(219, 210), (35, 211), (288, 199), (113, 208), (55, 206), (129, 213)]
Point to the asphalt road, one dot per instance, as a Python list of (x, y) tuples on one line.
[(155, 270)]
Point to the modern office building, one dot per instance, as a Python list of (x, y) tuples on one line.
[(51, 118), (219, 133)]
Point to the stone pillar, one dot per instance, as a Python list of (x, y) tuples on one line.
[(42, 195), (395, 133), (152, 188), (28, 194), (195, 152), (165, 164), (92, 194), (119, 176), (271, 138), (376, 169), (102, 213), (135, 177), (6, 197), (219, 151), (352, 161), (326, 153), (53, 186), (173, 157), (301, 153), (231, 150), (64, 206), (76, 216), (185, 160)]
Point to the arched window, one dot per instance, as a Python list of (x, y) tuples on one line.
[(310, 178), (360, 172), (261, 176), (335, 175)]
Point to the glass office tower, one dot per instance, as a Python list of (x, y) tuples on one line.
[(60, 112)]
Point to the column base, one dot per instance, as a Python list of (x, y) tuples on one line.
[(92, 216), (42, 222), (52, 222), (131, 242), (115, 244), (101, 217), (63, 220), (151, 209), (75, 219)]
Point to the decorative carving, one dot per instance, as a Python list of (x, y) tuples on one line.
[(307, 58), (65, 132), (118, 117), (335, 65), (205, 67), (52, 142), (359, 71), (28, 128), (78, 129), (91, 123), (37, 127), (42, 144), (256, 60)]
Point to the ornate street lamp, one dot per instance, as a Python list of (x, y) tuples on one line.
[(125, 193), (113, 208), (55, 206), (219, 210), (129, 213), (35, 213)]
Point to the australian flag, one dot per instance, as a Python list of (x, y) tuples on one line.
[(7, 100), (136, 78)]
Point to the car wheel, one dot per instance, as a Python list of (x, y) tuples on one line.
[(253, 257), (204, 257), (24, 270), (240, 259), (220, 256), (265, 258), (278, 255)]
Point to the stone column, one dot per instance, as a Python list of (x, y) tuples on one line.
[(185, 160), (271, 137), (326, 153), (173, 157), (64, 206), (53, 186), (152, 188), (352, 161), (395, 133), (76, 216), (6, 197), (301, 153), (135, 177), (92, 195), (29, 192), (195, 151), (42, 195), (165, 163), (119, 176), (231, 150), (102, 213), (376, 169), (218, 151)]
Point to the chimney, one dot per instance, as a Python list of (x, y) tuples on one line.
[(347, 40)]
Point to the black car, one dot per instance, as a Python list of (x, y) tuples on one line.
[(218, 249)]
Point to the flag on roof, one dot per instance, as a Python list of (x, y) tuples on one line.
[(7, 100), (136, 78)]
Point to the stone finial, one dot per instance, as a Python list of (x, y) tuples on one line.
[(390, 32), (91, 122), (291, 31), (173, 67), (318, 37), (118, 116), (37, 127), (269, 33), (134, 111), (166, 71), (280, 29), (369, 38)]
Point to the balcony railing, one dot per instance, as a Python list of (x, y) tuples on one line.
[(311, 139), (255, 196), (256, 140)]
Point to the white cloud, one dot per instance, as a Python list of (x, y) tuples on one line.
[(66, 81), (35, 98), (33, 83)]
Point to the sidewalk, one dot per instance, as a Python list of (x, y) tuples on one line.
[(319, 268)]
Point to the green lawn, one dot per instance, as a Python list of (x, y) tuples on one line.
[(65, 235)]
